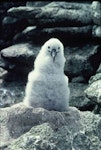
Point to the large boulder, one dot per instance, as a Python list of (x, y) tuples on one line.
[(93, 92), (19, 119), (19, 58), (37, 128), (55, 14), (82, 60), (77, 97)]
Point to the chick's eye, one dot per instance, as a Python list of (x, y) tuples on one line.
[(58, 48), (48, 47)]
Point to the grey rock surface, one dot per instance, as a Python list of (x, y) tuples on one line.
[(19, 57), (95, 78), (28, 128), (96, 11), (78, 79), (91, 124), (97, 31), (37, 3), (11, 93), (93, 92), (57, 13), (82, 60), (77, 96), (18, 119)]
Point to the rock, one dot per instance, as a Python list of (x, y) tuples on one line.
[(79, 79), (82, 60), (96, 12), (19, 57), (1, 71), (37, 3), (11, 92), (28, 128), (4, 6), (12, 88), (24, 36), (77, 97), (45, 139), (97, 18), (93, 92), (9, 20), (29, 29), (81, 141), (18, 119), (55, 14), (96, 31), (99, 69), (6, 98), (60, 139), (74, 34), (12, 26), (91, 127), (95, 78)]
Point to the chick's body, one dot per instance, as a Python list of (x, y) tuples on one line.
[(47, 85)]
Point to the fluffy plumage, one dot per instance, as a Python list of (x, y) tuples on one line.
[(47, 85)]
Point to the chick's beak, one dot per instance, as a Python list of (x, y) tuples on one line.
[(53, 54)]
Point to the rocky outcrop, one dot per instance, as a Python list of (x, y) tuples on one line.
[(28, 128), (78, 98), (82, 60), (19, 57), (93, 92), (19, 119)]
